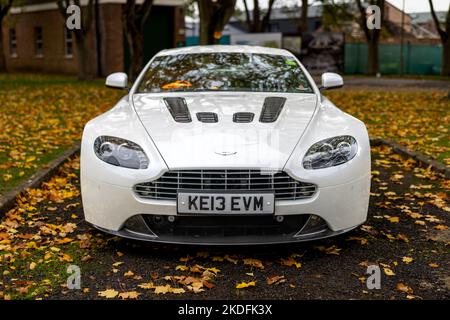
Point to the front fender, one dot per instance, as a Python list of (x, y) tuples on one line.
[(329, 122)]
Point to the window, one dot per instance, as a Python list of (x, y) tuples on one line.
[(224, 72), (12, 43), (38, 42), (68, 43)]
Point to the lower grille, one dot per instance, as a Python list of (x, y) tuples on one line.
[(221, 227), (167, 186)]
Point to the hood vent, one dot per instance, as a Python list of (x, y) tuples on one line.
[(178, 109), (207, 117), (271, 109), (243, 117)]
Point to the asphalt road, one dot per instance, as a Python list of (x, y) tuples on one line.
[(406, 236)]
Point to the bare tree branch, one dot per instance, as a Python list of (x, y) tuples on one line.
[(5, 8), (441, 32)]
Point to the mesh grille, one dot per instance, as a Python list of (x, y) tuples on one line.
[(178, 109), (207, 117), (271, 109), (167, 186), (243, 117)]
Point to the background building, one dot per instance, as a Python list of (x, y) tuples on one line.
[(36, 39)]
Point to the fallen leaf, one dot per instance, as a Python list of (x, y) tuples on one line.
[(129, 295), (404, 288), (148, 285), (275, 280), (253, 263), (182, 268), (109, 293), (243, 285), (129, 273), (407, 259), (388, 272), (289, 262)]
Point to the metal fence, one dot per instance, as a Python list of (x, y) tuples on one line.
[(417, 59)]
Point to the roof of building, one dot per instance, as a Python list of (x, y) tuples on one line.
[(286, 13), (424, 17)]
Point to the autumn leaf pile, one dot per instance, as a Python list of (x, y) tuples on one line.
[(40, 118), (420, 120)]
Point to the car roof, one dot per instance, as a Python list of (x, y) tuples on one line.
[(224, 48)]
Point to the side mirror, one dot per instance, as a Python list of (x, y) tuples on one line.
[(118, 80), (331, 81)]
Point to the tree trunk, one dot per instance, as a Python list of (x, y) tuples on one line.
[(372, 63), (205, 21), (2, 51), (84, 66), (213, 18), (304, 17), (136, 45), (446, 58), (205, 35)]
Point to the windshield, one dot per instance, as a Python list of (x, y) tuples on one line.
[(224, 72)]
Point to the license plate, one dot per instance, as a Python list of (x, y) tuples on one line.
[(226, 203)]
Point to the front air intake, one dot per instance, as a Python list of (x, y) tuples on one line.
[(207, 117), (271, 109), (178, 109)]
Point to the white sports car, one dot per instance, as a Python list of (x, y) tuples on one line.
[(225, 145)]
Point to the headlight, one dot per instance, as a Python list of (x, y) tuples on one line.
[(330, 152), (120, 152)]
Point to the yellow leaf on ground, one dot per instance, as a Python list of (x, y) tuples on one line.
[(109, 293), (129, 273), (182, 268), (402, 237), (162, 289), (129, 295), (216, 258), (394, 219), (433, 265), (361, 240), (388, 272), (243, 285), (254, 263), (230, 259), (407, 259), (148, 285), (168, 289), (275, 280), (289, 262), (404, 288)]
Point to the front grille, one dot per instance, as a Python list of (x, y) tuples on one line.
[(167, 186)]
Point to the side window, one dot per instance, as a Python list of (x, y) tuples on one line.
[(12, 43), (38, 42), (68, 43)]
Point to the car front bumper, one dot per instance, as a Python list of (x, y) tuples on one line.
[(118, 210)]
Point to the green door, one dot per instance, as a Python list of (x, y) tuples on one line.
[(158, 33)]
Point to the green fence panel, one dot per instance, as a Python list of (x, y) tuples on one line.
[(417, 59)]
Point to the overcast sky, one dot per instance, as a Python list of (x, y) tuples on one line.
[(410, 5)]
